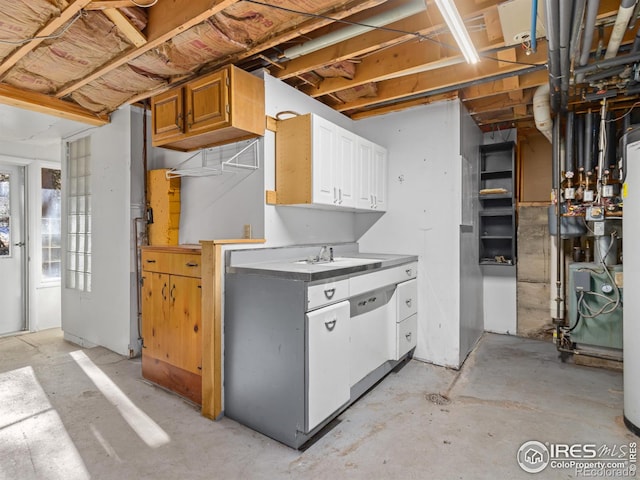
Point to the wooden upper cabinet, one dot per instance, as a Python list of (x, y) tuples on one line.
[(167, 115), (222, 107)]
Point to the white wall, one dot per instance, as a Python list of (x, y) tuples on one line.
[(424, 216), (102, 316), (285, 225)]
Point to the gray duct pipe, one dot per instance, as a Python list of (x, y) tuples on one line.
[(588, 141), (579, 129), (565, 9), (553, 31), (569, 139), (636, 41), (578, 14), (620, 27), (608, 63), (587, 40), (559, 314)]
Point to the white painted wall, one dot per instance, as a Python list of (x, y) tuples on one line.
[(103, 316), (286, 225), (423, 217)]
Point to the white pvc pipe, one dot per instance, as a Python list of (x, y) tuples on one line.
[(619, 28), (542, 111), (404, 11)]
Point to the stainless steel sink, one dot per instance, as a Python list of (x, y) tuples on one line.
[(338, 262)]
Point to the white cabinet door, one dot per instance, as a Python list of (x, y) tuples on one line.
[(323, 150), (364, 174), (379, 183), (344, 167), (327, 362)]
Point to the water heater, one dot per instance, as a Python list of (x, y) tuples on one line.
[(631, 253)]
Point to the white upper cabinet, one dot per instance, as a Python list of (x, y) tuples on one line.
[(320, 163)]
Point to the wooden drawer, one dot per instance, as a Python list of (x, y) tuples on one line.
[(184, 264), (326, 293), (406, 335), (407, 299)]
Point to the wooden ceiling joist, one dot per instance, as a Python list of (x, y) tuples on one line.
[(47, 30), (496, 103), (41, 103), (102, 5), (499, 87), (451, 76), (166, 20), (127, 28)]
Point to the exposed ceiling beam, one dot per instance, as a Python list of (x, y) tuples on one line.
[(498, 87), (166, 20), (41, 103), (445, 77), (127, 28), (497, 102), (40, 36), (101, 5), (396, 107)]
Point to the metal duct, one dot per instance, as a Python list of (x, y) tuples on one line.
[(404, 11), (553, 31), (587, 40), (622, 20), (542, 111), (569, 140)]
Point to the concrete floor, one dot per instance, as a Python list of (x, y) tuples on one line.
[(62, 417)]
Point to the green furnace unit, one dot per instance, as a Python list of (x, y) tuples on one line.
[(595, 305)]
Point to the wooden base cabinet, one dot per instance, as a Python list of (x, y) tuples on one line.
[(171, 319)]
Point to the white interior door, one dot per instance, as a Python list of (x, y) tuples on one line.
[(12, 249)]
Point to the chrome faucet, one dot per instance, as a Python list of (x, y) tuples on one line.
[(326, 254)]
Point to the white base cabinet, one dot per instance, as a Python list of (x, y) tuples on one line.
[(328, 386)]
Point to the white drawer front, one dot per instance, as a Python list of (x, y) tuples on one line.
[(407, 299), (326, 293), (389, 276), (406, 335)]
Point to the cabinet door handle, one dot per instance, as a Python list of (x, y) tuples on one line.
[(331, 325), (409, 271), (340, 195), (371, 200), (335, 195), (330, 293), (408, 302), (164, 291), (150, 261), (171, 293), (408, 337), (191, 264)]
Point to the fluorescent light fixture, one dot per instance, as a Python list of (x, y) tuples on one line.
[(456, 26)]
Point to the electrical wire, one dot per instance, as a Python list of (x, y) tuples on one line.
[(143, 6), (81, 13), (419, 36), (624, 115)]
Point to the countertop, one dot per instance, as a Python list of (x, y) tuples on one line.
[(310, 272)]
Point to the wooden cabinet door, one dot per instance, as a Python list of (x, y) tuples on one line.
[(155, 313), (185, 338), (328, 362), (207, 103), (167, 115)]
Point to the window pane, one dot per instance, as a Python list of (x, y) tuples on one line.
[(5, 215), (50, 230)]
